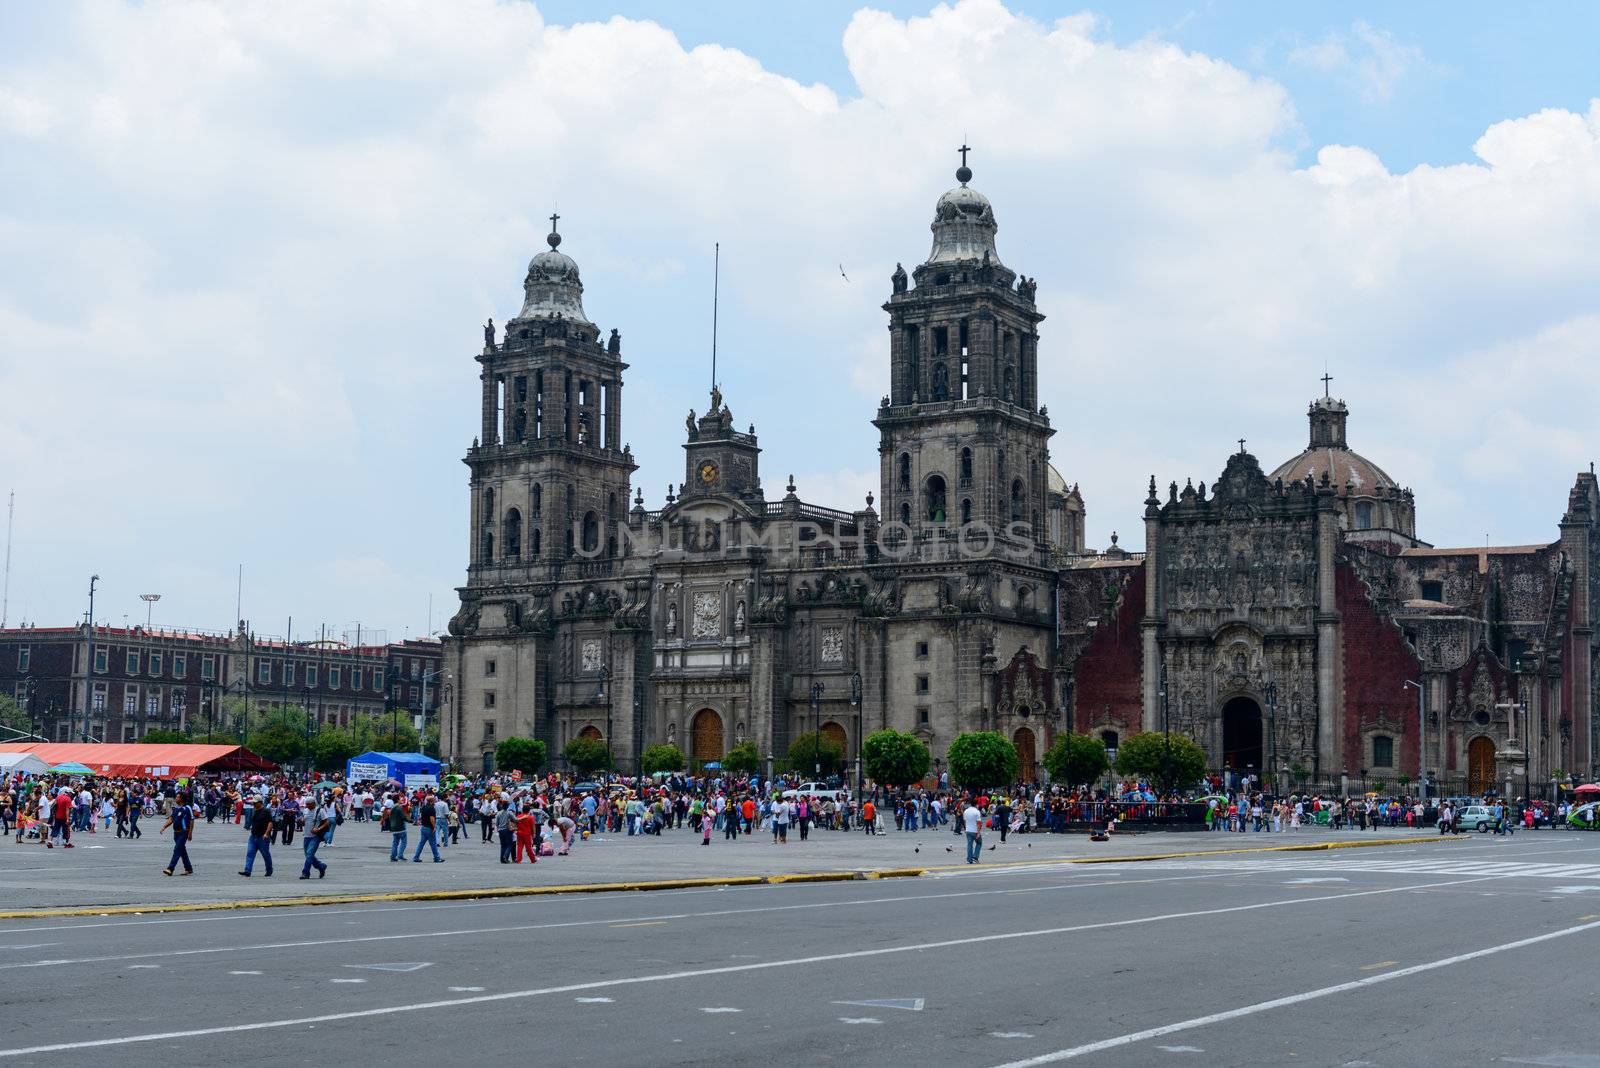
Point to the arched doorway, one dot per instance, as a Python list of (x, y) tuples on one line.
[(1241, 735), (835, 733), (592, 732), (705, 734), (1027, 753), (1480, 765)]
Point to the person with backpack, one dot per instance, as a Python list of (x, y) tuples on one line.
[(318, 825)]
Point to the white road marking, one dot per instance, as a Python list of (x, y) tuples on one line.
[(908, 1004), (1293, 999), (149, 966), (721, 1008), (347, 980), (516, 928), (859, 1020), (1581, 889), (1317, 879), (594, 1001), (1009, 1034), (1180, 1049), (731, 969), (464, 989), (399, 966), (244, 973)]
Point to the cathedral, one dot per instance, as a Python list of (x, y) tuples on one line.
[(1292, 622)]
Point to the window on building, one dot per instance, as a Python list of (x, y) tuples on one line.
[(922, 715), (905, 472), (24, 655), (180, 666), (208, 668), (966, 510), (490, 667), (933, 498), (1109, 738), (311, 675), (922, 684), (152, 703), (97, 698), (179, 700), (1432, 590), (488, 699), (966, 467), (333, 678), (394, 694), (1382, 751), (488, 730), (130, 700), (922, 650), (263, 671), (288, 673), (155, 664), (414, 694), (102, 656), (1363, 515), (131, 665)]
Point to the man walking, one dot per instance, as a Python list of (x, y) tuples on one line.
[(261, 829), (60, 819), (395, 818), (972, 822), (427, 830), (182, 823), (318, 825)]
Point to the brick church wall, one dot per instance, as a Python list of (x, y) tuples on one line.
[(1377, 663), (1110, 667)]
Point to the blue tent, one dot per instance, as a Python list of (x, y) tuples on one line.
[(409, 769)]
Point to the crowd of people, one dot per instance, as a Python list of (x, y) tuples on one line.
[(547, 816)]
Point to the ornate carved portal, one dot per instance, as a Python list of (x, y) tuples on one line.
[(1480, 765), (705, 730)]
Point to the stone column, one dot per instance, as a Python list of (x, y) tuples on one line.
[(490, 398), (1330, 662), (1151, 626)]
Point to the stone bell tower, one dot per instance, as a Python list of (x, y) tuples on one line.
[(963, 437)]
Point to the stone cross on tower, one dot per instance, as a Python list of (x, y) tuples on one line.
[(1326, 378), (964, 150), (1241, 445)]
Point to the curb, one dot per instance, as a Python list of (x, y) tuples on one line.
[(463, 895), (676, 884)]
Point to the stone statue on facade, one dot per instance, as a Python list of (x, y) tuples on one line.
[(488, 334), (898, 279), (614, 345), (690, 426)]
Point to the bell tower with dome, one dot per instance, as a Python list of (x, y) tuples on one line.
[(963, 438)]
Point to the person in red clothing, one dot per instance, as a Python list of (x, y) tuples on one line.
[(525, 839), (61, 819)]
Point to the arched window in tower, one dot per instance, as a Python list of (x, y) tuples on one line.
[(591, 532), (534, 540), (966, 510), (537, 505), (489, 519), (905, 514), (511, 535), (1363, 515), (941, 382), (519, 426), (583, 429), (1000, 463), (905, 472), (1016, 500), (966, 467), (1008, 386), (934, 496)]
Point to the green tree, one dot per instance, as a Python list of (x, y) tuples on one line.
[(980, 759), (331, 748), (810, 751), (1076, 759), (278, 742), (661, 758), (430, 740), (1147, 756), (587, 755), (526, 755), (743, 759), (11, 714), (894, 758), (386, 733), (164, 736)]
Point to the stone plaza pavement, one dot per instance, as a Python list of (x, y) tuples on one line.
[(103, 871)]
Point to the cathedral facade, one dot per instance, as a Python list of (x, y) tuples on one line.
[(1291, 623)]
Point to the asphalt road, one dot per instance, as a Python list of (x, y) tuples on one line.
[(1475, 953)]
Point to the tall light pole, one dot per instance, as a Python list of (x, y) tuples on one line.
[(600, 695), (1422, 737), (149, 600), (1272, 733), (88, 662), (816, 741), (855, 702)]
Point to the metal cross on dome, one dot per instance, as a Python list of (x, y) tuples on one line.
[(964, 149), (553, 219)]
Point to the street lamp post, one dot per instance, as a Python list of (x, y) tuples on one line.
[(1422, 737), (1272, 734), (600, 695), (816, 741), (855, 702), (88, 664)]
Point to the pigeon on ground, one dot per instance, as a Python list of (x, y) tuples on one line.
[(991, 849), (949, 849), (918, 849)]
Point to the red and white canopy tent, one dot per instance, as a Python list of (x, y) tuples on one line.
[(163, 761)]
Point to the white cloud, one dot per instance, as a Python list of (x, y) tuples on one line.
[(1368, 59), (249, 247)]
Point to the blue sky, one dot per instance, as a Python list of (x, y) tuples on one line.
[(250, 249)]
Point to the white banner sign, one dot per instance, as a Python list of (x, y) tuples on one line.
[(414, 781), (362, 772)]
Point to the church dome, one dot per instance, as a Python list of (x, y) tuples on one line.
[(1329, 452), (552, 287), (963, 225)]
